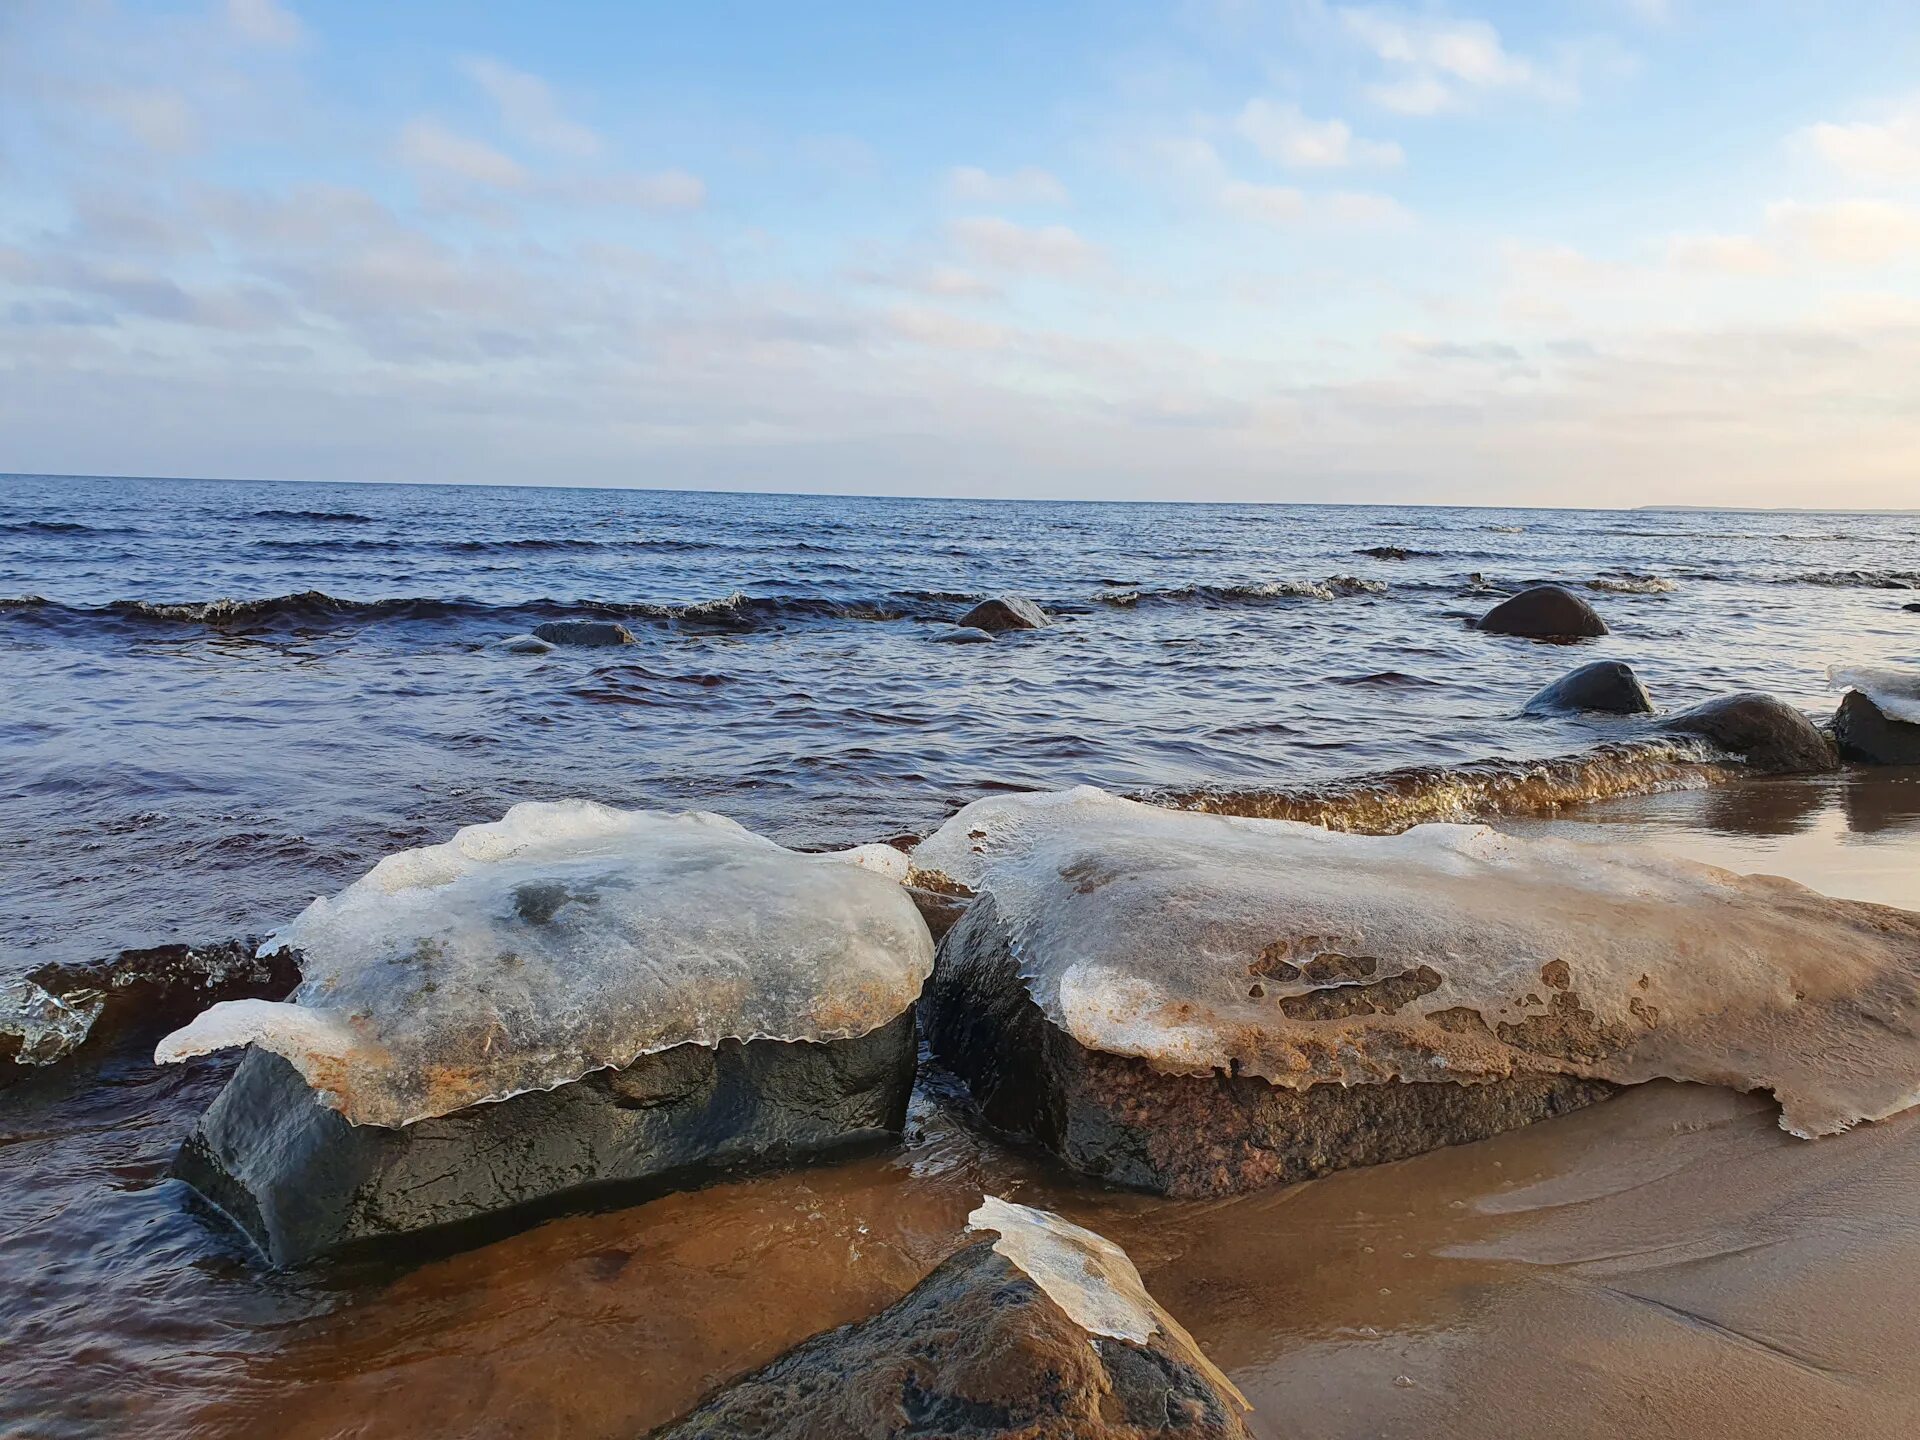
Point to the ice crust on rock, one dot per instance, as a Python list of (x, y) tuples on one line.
[(1087, 1276), (1894, 693), (570, 937), (1446, 953)]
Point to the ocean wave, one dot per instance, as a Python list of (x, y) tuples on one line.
[(59, 527), (338, 517), (1331, 588), (1861, 579), (1395, 800)]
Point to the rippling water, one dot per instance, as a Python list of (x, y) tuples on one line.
[(181, 768)]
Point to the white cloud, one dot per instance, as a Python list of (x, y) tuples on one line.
[(1722, 254), (428, 145), (528, 109), (1029, 185), (266, 22), (1442, 62), (1002, 245), (1888, 150), (1850, 232), (1284, 205), (158, 119), (663, 190), (1281, 132), (1273, 204), (943, 331)]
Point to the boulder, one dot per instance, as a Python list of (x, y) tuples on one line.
[(964, 635), (1605, 685), (302, 1182), (1384, 552), (569, 998), (1913, 605), (1869, 736), (592, 633), (1198, 1004), (1768, 734), (526, 645), (1546, 612), (1005, 612), (1044, 1332)]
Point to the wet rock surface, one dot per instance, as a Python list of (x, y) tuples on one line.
[(303, 1182), (1605, 685), (1545, 612), (1868, 735), (977, 1350), (1122, 1120), (1005, 612), (1768, 734), (591, 633)]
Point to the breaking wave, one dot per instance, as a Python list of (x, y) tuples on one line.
[(1633, 585), (1331, 588)]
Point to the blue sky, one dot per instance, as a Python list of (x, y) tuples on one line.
[(1595, 252)]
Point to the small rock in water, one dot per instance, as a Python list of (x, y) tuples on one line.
[(1384, 552), (526, 645), (1768, 734), (1546, 612), (584, 632), (964, 635), (1605, 685), (1005, 612), (1046, 1331)]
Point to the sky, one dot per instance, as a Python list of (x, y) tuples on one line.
[(1595, 252)]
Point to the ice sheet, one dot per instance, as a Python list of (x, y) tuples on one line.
[(1895, 693)]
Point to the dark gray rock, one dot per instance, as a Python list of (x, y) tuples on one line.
[(526, 645), (1117, 1118), (1868, 735), (1385, 552), (1546, 612), (1606, 685), (976, 1351), (964, 635), (1005, 612), (1913, 606), (598, 633), (1768, 734), (303, 1182)]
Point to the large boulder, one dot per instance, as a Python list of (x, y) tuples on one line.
[(1878, 722), (571, 997), (596, 634), (1005, 612), (1546, 612), (1605, 685), (1044, 1332), (1198, 1004), (1768, 734)]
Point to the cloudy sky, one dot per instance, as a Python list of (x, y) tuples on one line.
[(1588, 252)]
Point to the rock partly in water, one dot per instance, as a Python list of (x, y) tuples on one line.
[(1005, 612), (1199, 1004), (1384, 552), (1768, 734), (1546, 612), (302, 1182), (526, 645), (1605, 685), (592, 633), (1878, 722), (964, 635), (1044, 1332), (568, 940)]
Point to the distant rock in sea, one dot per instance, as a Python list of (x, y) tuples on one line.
[(1005, 612), (1545, 612), (1609, 686)]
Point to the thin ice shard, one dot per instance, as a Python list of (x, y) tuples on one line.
[(570, 937), (1447, 953)]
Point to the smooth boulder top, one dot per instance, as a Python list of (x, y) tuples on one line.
[(1005, 612), (592, 633), (571, 937), (1447, 953), (1768, 734), (1609, 686), (1546, 612), (1046, 1331)]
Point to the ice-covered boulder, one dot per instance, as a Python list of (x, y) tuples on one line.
[(1046, 1330), (1878, 722), (1608, 686), (1197, 1004), (571, 996), (1768, 734)]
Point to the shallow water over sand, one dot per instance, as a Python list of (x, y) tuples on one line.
[(1668, 1263)]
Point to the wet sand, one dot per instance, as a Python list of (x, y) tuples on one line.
[(1668, 1263)]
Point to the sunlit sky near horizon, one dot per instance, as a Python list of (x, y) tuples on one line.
[(1600, 252)]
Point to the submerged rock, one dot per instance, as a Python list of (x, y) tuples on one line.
[(1384, 552), (1605, 685), (1546, 612), (1005, 612), (568, 940), (1046, 1331), (1768, 734), (1878, 722), (964, 635), (584, 632), (1200, 1004), (527, 645)]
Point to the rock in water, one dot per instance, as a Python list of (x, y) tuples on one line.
[(1198, 1004), (1546, 612), (584, 632), (1605, 685), (1768, 734), (1878, 722), (643, 994), (1005, 612), (1044, 1332)]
